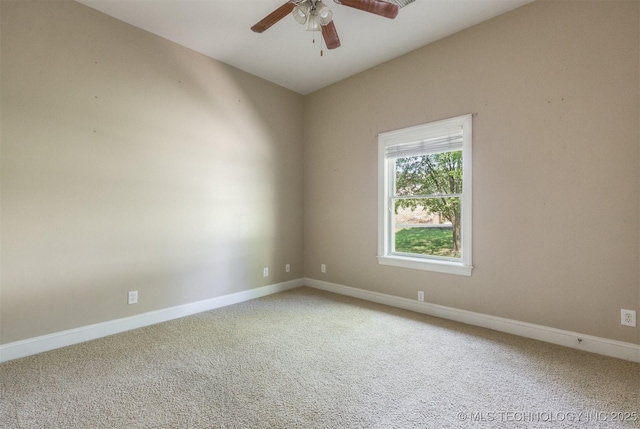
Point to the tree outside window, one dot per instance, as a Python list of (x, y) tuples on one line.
[(435, 227)]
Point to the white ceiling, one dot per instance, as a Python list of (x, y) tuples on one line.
[(285, 54)]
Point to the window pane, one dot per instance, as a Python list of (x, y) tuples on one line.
[(431, 174), (428, 227)]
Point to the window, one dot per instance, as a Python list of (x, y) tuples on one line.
[(424, 199)]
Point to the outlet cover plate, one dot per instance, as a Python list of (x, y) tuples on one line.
[(132, 297), (628, 318)]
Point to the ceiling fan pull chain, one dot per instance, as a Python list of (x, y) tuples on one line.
[(313, 39)]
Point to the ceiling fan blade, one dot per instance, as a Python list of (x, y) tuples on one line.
[(330, 35), (273, 17), (402, 3), (378, 7)]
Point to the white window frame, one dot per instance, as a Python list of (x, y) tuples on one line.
[(414, 136)]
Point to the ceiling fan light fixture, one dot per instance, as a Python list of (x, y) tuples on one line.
[(325, 15), (301, 12), (313, 24), (319, 15)]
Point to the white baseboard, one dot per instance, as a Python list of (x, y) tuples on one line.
[(45, 343), (602, 346)]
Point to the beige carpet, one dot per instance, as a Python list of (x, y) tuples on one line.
[(310, 359)]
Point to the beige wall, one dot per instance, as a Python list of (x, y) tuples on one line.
[(131, 163), (556, 233)]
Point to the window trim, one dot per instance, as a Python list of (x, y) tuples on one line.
[(412, 135)]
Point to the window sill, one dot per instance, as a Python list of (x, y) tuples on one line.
[(448, 267)]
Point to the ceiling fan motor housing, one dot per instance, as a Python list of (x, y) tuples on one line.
[(314, 13)]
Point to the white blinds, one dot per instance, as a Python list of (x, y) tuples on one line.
[(444, 143)]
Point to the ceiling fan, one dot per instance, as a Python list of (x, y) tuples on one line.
[(317, 16)]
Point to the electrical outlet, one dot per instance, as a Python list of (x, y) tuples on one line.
[(132, 298), (287, 268), (323, 268), (420, 295), (628, 318), (265, 272)]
